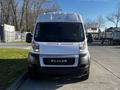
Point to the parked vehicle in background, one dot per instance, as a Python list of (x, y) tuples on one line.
[(95, 32), (112, 35), (116, 36), (7, 33), (59, 46), (89, 37)]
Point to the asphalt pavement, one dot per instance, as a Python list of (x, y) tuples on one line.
[(104, 74)]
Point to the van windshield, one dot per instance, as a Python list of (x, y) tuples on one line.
[(59, 32)]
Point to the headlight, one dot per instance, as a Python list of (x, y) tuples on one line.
[(84, 46), (35, 46)]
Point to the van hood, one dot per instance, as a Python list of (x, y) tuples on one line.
[(59, 48)]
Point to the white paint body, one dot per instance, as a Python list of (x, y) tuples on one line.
[(60, 49)]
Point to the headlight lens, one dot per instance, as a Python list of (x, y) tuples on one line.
[(35, 46), (84, 46)]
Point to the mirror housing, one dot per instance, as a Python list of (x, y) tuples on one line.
[(89, 38), (28, 37)]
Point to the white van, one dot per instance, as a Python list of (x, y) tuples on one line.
[(59, 45)]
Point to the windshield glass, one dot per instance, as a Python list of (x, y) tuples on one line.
[(59, 32)]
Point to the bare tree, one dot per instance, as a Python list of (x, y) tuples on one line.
[(100, 22), (5, 11), (115, 17), (23, 13), (90, 23), (14, 6)]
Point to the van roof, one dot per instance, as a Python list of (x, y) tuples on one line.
[(59, 17)]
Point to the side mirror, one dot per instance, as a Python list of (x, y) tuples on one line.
[(89, 38), (28, 37)]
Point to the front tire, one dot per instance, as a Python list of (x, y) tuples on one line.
[(32, 73)]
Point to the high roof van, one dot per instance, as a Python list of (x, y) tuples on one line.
[(59, 45)]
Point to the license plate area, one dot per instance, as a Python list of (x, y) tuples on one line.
[(59, 61)]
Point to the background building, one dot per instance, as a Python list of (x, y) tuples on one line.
[(94, 31), (7, 33)]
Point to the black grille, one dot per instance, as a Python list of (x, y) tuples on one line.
[(59, 61)]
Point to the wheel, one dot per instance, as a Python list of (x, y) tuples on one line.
[(31, 73)]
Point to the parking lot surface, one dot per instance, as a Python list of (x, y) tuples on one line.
[(104, 74)]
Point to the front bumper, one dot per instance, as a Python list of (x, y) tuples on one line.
[(81, 68)]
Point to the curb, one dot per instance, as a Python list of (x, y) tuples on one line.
[(18, 82)]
